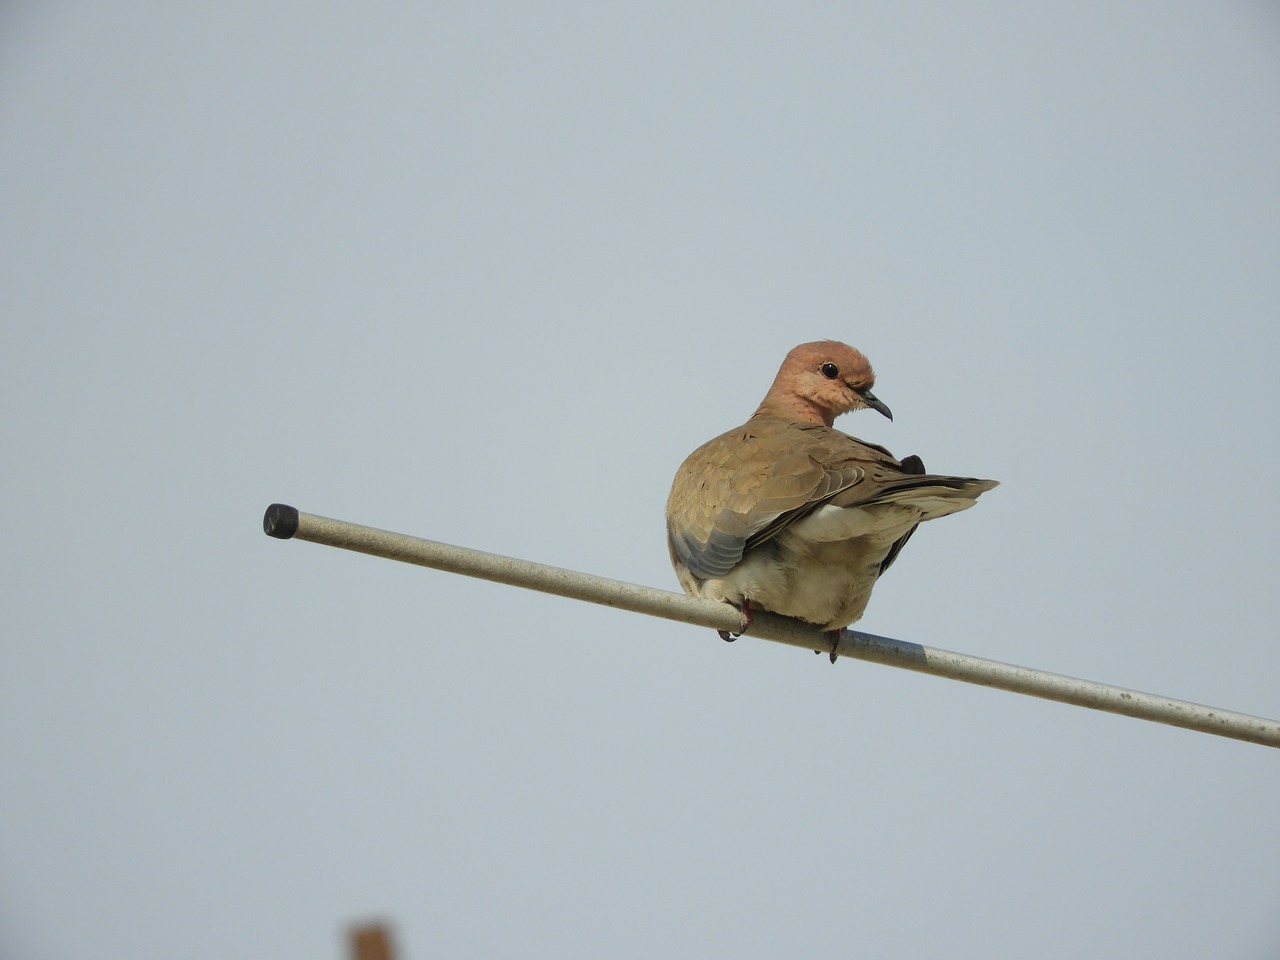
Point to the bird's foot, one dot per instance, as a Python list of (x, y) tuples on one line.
[(834, 637), (745, 611)]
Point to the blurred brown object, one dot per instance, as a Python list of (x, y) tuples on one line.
[(370, 941)]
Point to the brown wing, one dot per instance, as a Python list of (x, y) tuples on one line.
[(746, 486)]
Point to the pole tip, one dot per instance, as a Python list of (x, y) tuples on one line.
[(280, 521)]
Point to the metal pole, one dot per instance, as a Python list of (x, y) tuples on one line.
[(285, 522)]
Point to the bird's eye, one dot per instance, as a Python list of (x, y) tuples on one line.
[(830, 370)]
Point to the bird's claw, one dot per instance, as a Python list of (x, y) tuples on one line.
[(745, 611), (834, 637)]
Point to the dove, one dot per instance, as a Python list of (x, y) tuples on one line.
[(787, 514)]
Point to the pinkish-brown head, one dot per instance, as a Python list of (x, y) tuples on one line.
[(819, 381)]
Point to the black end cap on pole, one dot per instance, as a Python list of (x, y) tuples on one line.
[(280, 521)]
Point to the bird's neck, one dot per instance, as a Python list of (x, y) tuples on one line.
[(793, 408)]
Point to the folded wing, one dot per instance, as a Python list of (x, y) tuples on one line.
[(746, 486)]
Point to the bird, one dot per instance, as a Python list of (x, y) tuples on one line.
[(790, 515)]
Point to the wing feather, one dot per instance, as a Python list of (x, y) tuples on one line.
[(746, 486)]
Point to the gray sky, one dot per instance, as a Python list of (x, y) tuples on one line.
[(486, 273)]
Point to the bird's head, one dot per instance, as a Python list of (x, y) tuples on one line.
[(819, 381)]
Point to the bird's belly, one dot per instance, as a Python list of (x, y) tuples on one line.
[(827, 584), (830, 583)]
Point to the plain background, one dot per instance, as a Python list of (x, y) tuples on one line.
[(486, 273)]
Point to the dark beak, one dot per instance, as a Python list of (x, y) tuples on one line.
[(874, 403)]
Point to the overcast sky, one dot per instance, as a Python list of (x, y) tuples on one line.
[(486, 273)]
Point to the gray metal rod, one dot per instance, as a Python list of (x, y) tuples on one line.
[(285, 522)]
